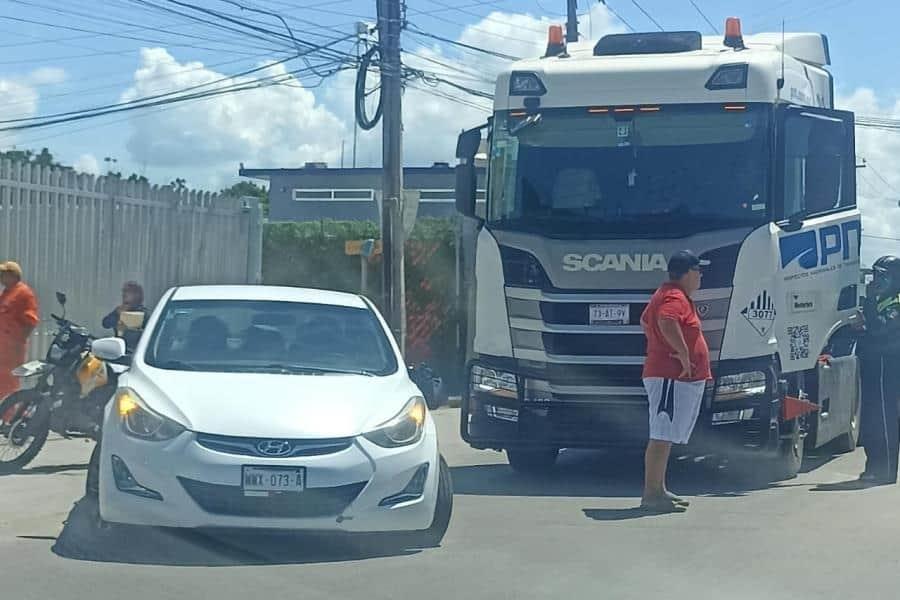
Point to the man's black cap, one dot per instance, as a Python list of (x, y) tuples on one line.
[(683, 261)]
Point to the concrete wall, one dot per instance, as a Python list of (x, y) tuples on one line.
[(85, 236)]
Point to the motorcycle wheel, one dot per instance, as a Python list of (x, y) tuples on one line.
[(22, 438)]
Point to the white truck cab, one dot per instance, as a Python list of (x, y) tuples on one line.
[(607, 157)]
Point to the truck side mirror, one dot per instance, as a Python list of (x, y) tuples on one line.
[(466, 176), (61, 298)]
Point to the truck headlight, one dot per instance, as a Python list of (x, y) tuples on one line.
[(402, 430), (494, 382), (740, 386), (141, 422)]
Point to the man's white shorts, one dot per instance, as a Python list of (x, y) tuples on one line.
[(674, 406)]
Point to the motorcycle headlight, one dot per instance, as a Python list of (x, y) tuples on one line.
[(404, 429), (494, 382), (740, 386), (141, 422)]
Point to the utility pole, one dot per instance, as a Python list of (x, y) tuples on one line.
[(572, 21), (392, 235)]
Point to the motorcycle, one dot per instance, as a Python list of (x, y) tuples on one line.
[(70, 390)]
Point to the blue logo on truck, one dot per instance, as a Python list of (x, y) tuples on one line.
[(820, 247)]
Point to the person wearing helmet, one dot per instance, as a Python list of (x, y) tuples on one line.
[(879, 353)]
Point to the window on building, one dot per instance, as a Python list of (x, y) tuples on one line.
[(331, 195), (447, 196)]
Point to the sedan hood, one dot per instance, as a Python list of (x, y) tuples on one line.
[(273, 405)]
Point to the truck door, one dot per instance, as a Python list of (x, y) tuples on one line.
[(818, 241)]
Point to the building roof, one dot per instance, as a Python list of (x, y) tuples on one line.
[(268, 292)]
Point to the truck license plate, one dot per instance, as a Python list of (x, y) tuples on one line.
[(609, 314), (261, 480)]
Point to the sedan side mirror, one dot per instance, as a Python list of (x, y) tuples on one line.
[(108, 349)]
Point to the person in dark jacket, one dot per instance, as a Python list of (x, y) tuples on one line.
[(132, 301), (879, 353)]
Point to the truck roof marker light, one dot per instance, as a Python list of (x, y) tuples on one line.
[(729, 77), (525, 83), (556, 45), (650, 109), (598, 110), (623, 109), (733, 36), (735, 107)]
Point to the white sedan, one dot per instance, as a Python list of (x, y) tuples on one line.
[(270, 407)]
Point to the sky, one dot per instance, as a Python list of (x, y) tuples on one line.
[(64, 55)]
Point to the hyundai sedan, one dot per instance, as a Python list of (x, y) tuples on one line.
[(270, 407)]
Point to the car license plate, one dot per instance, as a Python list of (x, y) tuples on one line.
[(262, 480), (609, 314)]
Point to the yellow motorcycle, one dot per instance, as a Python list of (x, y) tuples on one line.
[(65, 393)]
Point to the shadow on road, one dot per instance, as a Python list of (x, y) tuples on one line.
[(599, 474), (82, 539), (51, 469)]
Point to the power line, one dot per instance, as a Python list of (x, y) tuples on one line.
[(705, 18), (617, 15), (105, 33), (648, 15), (417, 31), (166, 29)]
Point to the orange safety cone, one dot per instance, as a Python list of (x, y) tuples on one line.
[(794, 407)]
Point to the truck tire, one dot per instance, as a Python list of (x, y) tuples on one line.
[(532, 460), (786, 464)]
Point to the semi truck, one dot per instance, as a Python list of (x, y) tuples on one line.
[(606, 157)]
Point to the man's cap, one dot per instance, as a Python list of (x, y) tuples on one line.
[(11, 267), (683, 261)]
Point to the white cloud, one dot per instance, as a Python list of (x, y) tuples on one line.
[(87, 163), (277, 125), (287, 126), (878, 185), (46, 76), (19, 100)]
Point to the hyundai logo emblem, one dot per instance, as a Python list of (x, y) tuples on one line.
[(274, 447)]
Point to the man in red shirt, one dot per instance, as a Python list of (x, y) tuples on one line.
[(18, 318), (675, 374)]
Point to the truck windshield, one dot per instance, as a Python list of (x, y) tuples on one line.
[(671, 170)]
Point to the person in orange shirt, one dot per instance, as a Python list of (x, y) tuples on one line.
[(18, 318)]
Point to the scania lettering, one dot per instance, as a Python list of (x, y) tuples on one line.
[(605, 158), (614, 262)]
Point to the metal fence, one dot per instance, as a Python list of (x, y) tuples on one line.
[(85, 235)]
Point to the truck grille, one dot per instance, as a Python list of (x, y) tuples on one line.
[(588, 364), (312, 502)]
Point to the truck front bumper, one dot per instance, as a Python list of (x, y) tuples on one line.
[(488, 420)]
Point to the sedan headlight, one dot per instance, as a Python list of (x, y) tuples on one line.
[(141, 422), (404, 429), (494, 382), (740, 386)]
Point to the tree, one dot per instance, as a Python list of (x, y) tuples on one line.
[(248, 188), (179, 184)]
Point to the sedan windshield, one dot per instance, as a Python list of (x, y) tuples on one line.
[(270, 337), (671, 170)]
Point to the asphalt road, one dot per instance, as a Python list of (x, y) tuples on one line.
[(574, 534)]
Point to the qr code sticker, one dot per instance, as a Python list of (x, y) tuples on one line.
[(799, 338)]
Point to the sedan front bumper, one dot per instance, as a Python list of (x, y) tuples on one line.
[(202, 487)]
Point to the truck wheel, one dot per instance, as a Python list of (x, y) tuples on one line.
[(787, 463), (847, 441), (532, 460)]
